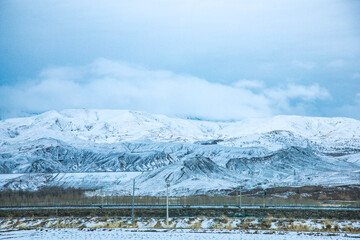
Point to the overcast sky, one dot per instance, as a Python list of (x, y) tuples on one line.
[(209, 59)]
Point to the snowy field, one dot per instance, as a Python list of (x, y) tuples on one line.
[(178, 234), (179, 228)]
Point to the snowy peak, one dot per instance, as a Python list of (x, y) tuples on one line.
[(110, 126)]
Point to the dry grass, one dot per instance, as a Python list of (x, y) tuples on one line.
[(302, 228), (224, 219), (265, 223), (22, 227), (350, 229), (158, 225), (217, 226), (327, 226), (222, 222), (245, 225), (229, 226), (196, 225), (40, 225)]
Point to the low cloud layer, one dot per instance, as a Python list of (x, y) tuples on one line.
[(118, 85), (242, 58)]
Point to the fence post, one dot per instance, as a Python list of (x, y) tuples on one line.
[(264, 200), (133, 203), (167, 204)]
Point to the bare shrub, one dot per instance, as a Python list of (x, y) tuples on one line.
[(265, 223), (196, 225), (158, 225)]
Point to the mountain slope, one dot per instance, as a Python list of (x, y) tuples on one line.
[(194, 156)]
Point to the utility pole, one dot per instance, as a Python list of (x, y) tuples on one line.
[(167, 204), (102, 198), (264, 198), (133, 203), (54, 204), (240, 197)]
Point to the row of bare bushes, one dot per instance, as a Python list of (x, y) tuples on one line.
[(58, 196)]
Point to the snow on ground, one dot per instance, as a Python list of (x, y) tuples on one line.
[(179, 228), (178, 234)]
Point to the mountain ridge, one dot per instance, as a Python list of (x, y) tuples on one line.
[(280, 150)]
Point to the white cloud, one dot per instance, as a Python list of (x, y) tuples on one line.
[(303, 65), (336, 63), (297, 91), (244, 83), (294, 99), (117, 85)]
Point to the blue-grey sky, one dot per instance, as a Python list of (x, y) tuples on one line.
[(211, 59)]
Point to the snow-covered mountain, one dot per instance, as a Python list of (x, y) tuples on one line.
[(193, 156)]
